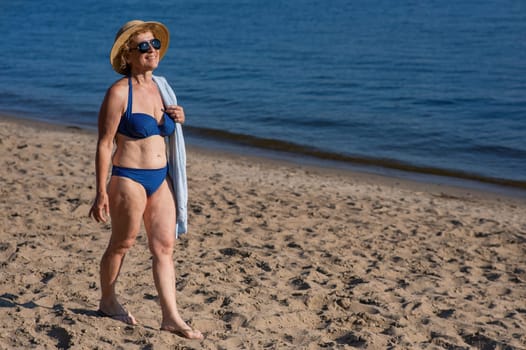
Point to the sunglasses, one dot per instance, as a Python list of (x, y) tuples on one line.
[(144, 46)]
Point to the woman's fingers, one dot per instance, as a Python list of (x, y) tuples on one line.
[(176, 113), (99, 213)]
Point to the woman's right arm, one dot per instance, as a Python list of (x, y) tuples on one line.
[(109, 117)]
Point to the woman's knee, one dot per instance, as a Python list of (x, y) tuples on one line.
[(162, 245), (121, 246)]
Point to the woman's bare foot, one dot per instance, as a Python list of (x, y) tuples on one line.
[(187, 333), (117, 312)]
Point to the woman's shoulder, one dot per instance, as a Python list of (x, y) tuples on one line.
[(118, 89), (122, 83)]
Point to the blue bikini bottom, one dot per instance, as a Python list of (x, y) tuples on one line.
[(150, 179)]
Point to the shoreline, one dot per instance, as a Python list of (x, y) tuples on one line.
[(286, 150), (277, 256), (422, 180)]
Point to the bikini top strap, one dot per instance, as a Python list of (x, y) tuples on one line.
[(130, 98)]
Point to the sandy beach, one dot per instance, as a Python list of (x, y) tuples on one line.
[(277, 256)]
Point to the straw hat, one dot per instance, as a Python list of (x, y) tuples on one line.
[(159, 31)]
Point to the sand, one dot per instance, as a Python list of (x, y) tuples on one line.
[(278, 256)]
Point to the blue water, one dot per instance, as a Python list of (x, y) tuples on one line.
[(427, 84)]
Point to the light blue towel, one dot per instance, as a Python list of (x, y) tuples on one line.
[(176, 160)]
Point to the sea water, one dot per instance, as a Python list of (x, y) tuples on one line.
[(428, 86)]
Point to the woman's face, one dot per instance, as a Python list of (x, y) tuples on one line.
[(147, 61)]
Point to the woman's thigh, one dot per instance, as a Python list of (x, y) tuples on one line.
[(159, 218), (127, 204)]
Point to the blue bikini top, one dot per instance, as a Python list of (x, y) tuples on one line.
[(142, 125)]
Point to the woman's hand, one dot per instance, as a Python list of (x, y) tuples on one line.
[(100, 209), (176, 113)]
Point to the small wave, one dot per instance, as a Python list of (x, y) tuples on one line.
[(434, 102), (500, 151)]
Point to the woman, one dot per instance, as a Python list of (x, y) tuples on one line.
[(133, 118)]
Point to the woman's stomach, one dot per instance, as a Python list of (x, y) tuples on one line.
[(147, 153)]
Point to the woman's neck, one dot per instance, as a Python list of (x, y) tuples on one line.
[(142, 78)]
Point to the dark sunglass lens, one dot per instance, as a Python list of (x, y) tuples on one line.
[(143, 47), (156, 44)]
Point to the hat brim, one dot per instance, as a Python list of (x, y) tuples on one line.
[(159, 31)]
